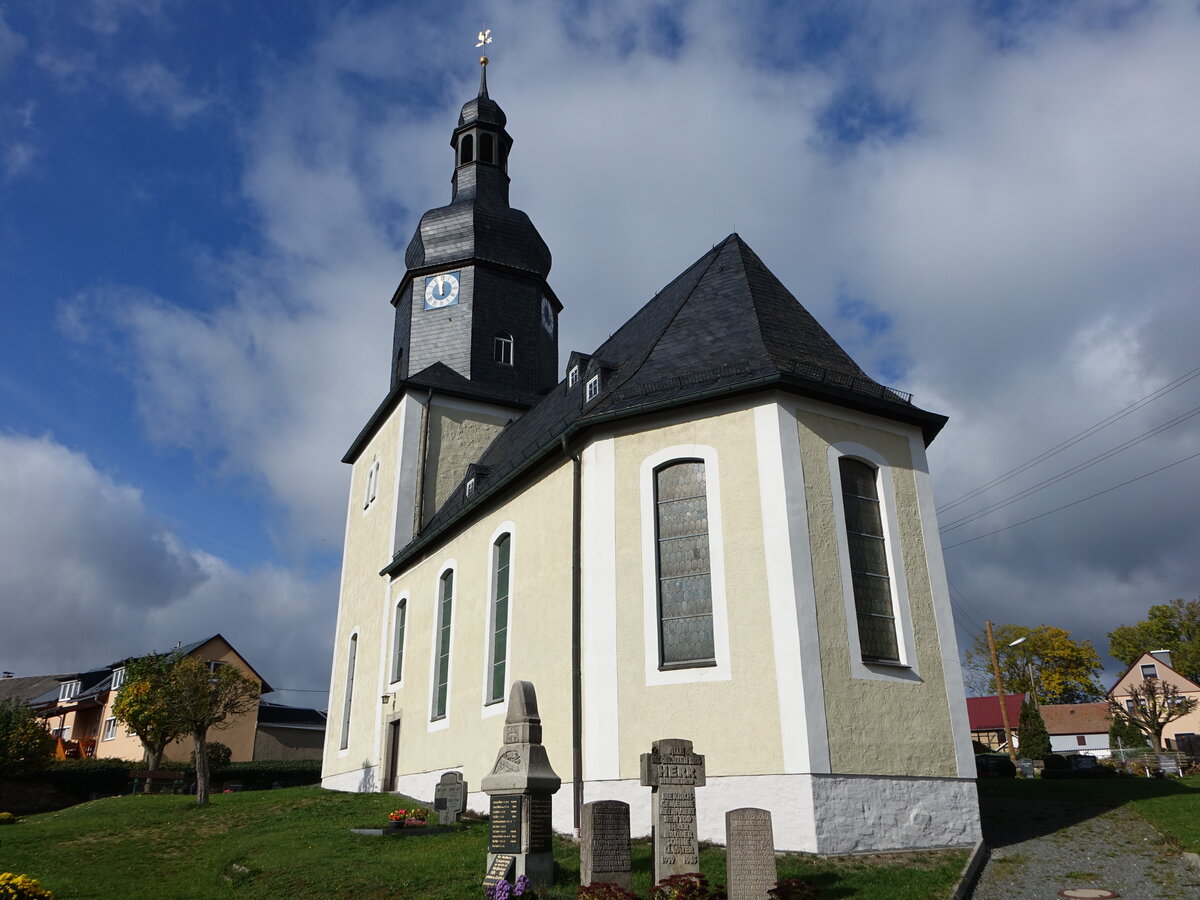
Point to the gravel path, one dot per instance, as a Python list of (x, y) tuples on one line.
[(1039, 849)]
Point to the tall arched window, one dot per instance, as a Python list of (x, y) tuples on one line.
[(503, 348), (868, 552), (486, 145), (467, 150), (398, 639), (350, 657), (498, 645), (685, 607), (442, 679)]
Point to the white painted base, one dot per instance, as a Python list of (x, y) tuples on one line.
[(829, 814), (358, 781)]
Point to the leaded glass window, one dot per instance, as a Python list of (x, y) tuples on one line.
[(445, 604), (350, 659), (398, 640), (500, 592), (685, 627), (868, 561)]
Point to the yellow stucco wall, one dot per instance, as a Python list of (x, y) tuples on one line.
[(456, 439), (867, 717)]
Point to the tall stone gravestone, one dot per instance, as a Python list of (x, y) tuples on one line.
[(673, 772), (749, 853), (604, 854), (450, 798), (521, 787)]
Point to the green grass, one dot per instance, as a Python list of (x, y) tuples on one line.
[(1171, 805), (296, 843)]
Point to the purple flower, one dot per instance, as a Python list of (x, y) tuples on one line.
[(522, 884)]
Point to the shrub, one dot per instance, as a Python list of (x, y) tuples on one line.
[(24, 743), (7, 818), (22, 887), (218, 754), (604, 890), (691, 886)]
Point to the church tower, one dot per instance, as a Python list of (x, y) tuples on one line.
[(474, 296)]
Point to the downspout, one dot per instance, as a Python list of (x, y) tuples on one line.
[(423, 440), (576, 635)]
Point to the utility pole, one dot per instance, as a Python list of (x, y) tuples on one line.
[(1012, 753)]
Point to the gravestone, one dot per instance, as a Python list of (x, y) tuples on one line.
[(1025, 767), (604, 853), (1169, 764), (749, 854), (520, 788), (673, 772), (450, 798)]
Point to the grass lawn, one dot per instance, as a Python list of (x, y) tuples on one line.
[(296, 843), (1171, 805)]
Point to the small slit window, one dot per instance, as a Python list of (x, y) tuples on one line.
[(442, 682), (593, 388), (487, 145), (498, 647), (503, 348), (466, 150), (398, 640), (372, 486), (350, 660)]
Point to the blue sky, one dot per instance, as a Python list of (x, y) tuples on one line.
[(204, 206)]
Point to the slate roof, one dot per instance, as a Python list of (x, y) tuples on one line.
[(983, 713), (1076, 718), (725, 325), (29, 687), (280, 715)]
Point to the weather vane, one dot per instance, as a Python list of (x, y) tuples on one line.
[(485, 38)]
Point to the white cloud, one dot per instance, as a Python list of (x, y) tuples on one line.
[(90, 575), (18, 158), (11, 44), (153, 88)]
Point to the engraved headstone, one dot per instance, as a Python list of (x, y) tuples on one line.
[(673, 772), (450, 798), (1025, 767), (520, 787), (749, 854), (604, 854)]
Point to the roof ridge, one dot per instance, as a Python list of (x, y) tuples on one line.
[(715, 250)]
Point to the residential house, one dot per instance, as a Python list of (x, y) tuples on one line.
[(1157, 664), (1077, 728), (987, 722), (288, 732)]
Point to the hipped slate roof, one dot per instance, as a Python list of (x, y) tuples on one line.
[(725, 325)]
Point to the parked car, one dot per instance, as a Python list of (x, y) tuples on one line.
[(994, 765)]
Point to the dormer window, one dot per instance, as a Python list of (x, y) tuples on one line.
[(68, 691), (118, 678), (573, 377), (592, 389), (470, 487), (503, 349)]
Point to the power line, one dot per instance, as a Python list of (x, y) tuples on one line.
[(1054, 479), (1076, 502), (1071, 441)]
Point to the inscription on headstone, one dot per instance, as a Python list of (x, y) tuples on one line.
[(540, 830), (506, 824), (673, 772), (604, 854), (449, 798), (750, 853), (499, 870), (1025, 767)]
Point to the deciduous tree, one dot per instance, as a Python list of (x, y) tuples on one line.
[(1063, 670), (1173, 626), (207, 698), (1155, 703), (24, 741), (146, 705)]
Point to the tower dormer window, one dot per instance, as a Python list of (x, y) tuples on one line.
[(503, 348), (487, 148), (467, 150), (573, 377)]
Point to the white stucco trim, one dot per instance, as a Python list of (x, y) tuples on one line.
[(943, 613), (598, 589), (907, 669), (498, 707), (448, 565), (716, 549), (408, 462), (790, 591)]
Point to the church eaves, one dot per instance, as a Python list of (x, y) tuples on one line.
[(724, 326)]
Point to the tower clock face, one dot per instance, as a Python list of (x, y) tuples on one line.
[(547, 316), (441, 290)]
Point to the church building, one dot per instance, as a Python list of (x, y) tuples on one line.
[(714, 526)]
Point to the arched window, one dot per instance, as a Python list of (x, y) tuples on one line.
[(685, 605), (466, 150), (442, 652), (503, 348), (350, 656), (398, 639), (498, 645), (867, 548), (487, 145)]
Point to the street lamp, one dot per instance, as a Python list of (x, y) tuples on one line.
[(1012, 753), (1029, 664)]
